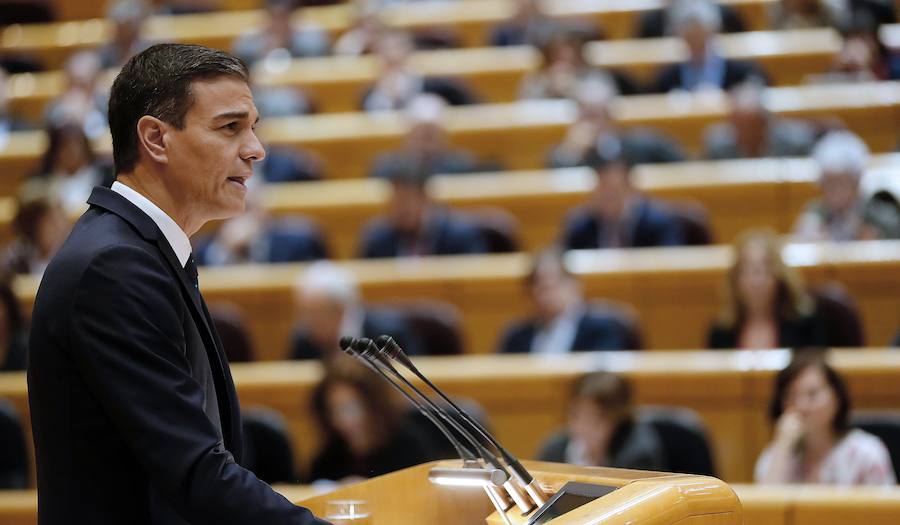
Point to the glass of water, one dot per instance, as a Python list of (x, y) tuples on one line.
[(348, 512)]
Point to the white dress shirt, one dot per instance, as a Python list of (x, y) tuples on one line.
[(178, 240)]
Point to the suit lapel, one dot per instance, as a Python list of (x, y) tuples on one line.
[(225, 392)]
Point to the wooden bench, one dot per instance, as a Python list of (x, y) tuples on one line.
[(494, 73), (526, 398), (675, 291), (471, 19)]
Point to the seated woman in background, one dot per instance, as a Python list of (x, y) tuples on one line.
[(602, 430), (812, 440), (361, 426), (766, 304)]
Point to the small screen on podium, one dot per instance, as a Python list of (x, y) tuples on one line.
[(570, 497)]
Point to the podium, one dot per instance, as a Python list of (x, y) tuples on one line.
[(407, 497)]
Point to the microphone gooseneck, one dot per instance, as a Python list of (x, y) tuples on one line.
[(391, 350)]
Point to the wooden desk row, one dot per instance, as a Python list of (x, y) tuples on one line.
[(675, 291), (472, 20), (526, 398), (519, 135), (795, 505), (495, 73), (736, 194)]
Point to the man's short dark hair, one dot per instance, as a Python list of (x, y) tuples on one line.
[(157, 82)]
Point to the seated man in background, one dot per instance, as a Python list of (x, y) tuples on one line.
[(562, 321), (697, 22), (330, 307), (842, 213), (658, 22), (602, 430), (595, 125), (85, 98), (280, 38), (425, 145), (528, 26), (256, 237), (812, 440), (397, 84), (753, 132), (765, 303), (416, 225), (564, 66), (128, 16), (617, 215)]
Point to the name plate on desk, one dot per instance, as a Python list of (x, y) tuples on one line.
[(571, 496)]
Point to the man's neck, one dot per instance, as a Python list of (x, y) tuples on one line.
[(157, 193)]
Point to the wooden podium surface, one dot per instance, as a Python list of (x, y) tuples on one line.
[(408, 497)]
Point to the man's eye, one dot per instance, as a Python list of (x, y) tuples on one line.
[(232, 126)]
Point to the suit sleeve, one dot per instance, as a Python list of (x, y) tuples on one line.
[(126, 336)]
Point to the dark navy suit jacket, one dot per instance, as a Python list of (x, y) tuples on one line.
[(133, 409), (446, 234), (596, 331), (653, 226), (376, 322)]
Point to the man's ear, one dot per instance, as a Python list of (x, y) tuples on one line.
[(151, 134)]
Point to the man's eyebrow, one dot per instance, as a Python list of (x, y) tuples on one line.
[(232, 115)]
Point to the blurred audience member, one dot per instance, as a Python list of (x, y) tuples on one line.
[(417, 226), (697, 22), (185, 7), (426, 146), (753, 132), (8, 121), (528, 26), (69, 171), (842, 213), (803, 14), (563, 322), (397, 84), (128, 17), (40, 227), (256, 237), (13, 332), (361, 426), (862, 58), (659, 22), (618, 215), (330, 307), (765, 304), (602, 430), (564, 68), (362, 36), (84, 101), (288, 164), (595, 128), (812, 440), (280, 38)]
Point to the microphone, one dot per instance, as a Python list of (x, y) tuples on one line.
[(366, 349), (500, 501), (392, 350)]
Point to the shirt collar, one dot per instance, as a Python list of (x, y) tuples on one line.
[(178, 240)]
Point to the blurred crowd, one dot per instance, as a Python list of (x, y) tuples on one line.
[(764, 304)]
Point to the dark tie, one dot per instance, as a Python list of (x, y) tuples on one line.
[(191, 269)]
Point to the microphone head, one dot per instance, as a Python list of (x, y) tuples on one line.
[(347, 344), (364, 347), (391, 349)]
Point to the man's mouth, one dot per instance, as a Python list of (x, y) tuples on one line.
[(240, 180)]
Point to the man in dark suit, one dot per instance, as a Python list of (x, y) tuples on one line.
[(697, 22), (656, 23), (562, 321), (595, 125), (331, 307), (417, 226), (618, 215), (133, 409)]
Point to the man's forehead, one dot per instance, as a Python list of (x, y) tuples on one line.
[(221, 96)]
